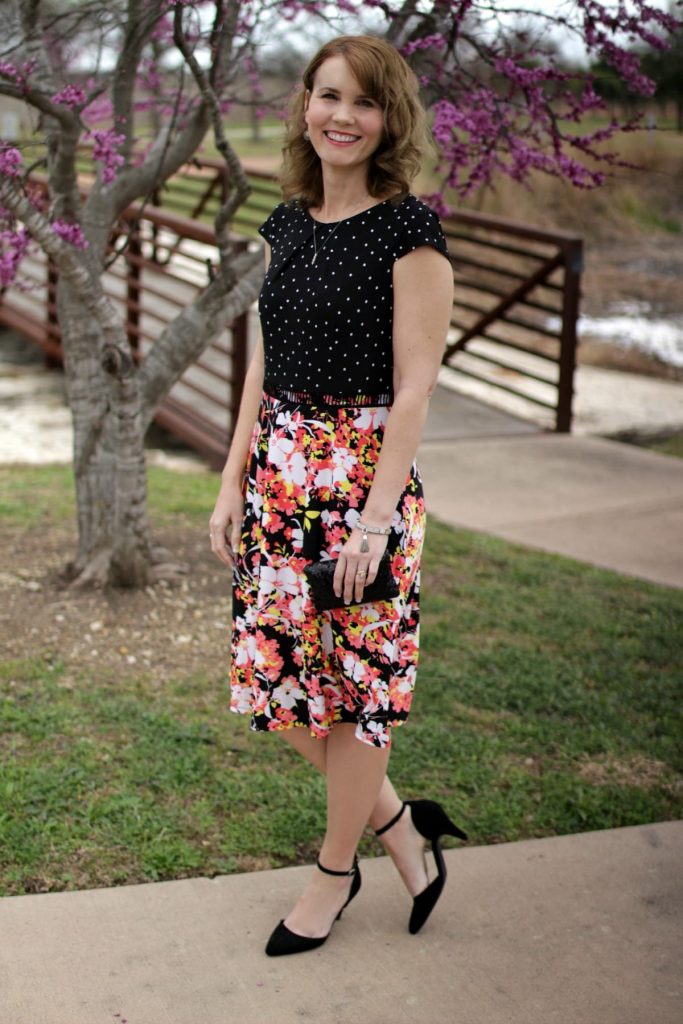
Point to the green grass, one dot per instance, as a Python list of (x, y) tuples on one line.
[(670, 446), (548, 702)]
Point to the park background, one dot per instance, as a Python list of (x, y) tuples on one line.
[(549, 690)]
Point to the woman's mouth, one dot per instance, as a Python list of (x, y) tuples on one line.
[(341, 138)]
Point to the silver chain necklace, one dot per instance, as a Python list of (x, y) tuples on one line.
[(315, 243)]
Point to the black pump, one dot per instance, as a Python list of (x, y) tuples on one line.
[(283, 941), (431, 821)]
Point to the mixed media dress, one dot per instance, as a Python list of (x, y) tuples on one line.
[(327, 394)]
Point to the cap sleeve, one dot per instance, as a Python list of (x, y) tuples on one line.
[(421, 226), (272, 226)]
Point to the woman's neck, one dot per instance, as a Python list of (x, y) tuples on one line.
[(344, 194)]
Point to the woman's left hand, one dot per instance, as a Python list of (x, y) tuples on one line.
[(353, 562)]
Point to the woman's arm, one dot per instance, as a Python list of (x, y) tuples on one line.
[(229, 508), (423, 303)]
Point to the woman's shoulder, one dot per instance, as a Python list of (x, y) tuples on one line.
[(413, 208), (416, 224), (278, 224)]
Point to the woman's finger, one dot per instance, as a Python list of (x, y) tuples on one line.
[(372, 567), (219, 546), (338, 580), (361, 579)]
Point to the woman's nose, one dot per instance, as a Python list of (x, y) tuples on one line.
[(342, 115)]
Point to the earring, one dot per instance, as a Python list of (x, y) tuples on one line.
[(306, 135)]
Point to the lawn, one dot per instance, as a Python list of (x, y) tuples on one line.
[(548, 702)]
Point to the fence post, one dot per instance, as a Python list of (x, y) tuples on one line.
[(133, 290), (52, 331), (573, 267)]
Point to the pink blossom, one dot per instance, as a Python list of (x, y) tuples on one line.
[(18, 75), (10, 161), (14, 243), (70, 96), (436, 42), (104, 152), (70, 232)]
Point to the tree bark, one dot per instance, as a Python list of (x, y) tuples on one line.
[(114, 537)]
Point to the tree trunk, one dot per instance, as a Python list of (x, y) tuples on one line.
[(114, 538)]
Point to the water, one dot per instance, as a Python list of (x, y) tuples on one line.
[(631, 326)]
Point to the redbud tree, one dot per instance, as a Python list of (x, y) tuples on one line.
[(501, 103)]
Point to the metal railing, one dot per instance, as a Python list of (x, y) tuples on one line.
[(516, 309), (513, 326)]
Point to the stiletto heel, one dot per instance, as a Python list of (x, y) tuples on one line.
[(283, 941), (431, 821)]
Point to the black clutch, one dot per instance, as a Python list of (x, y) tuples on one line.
[(320, 575)]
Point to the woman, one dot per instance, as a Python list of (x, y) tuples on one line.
[(354, 311)]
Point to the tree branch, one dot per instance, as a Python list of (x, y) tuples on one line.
[(42, 102), (141, 19), (238, 180), (139, 181), (183, 340), (76, 267)]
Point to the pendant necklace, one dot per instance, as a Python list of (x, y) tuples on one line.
[(315, 243)]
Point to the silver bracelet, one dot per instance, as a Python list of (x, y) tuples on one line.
[(364, 546)]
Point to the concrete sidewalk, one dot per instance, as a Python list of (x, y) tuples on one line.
[(605, 502), (579, 929)]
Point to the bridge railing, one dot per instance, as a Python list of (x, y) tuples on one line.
[(513, 327)]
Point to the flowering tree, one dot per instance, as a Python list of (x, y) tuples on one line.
[(500, 100)]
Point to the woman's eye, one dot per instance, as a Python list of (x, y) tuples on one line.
[(362, 102)]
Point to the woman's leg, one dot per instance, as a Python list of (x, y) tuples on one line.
[(338, 754), (354, 772), (315, 751)]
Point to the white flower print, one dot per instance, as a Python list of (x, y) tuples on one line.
[(279, 579), (289, 459), (371, 417), (287, 693)]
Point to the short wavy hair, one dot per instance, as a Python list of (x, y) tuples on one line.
[(384, 76)]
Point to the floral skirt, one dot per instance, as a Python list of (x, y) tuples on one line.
[(308, 473)]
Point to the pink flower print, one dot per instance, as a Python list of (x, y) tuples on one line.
[(327, 517), (283, 716), (401, 695), (267, 659), (272, 522), (284, 497)]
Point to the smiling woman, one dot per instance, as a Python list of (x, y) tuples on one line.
[(361, 89), (322, 476)]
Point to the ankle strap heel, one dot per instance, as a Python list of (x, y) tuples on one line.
[(328, 871), (385, 828)]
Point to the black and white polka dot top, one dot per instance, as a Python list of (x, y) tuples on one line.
[(327, 326)]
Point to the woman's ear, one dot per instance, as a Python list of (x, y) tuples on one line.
[(307, 98)]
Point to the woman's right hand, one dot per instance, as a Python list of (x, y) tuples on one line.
[(225, 524)]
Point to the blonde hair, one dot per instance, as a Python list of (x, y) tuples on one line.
[(384, 76)]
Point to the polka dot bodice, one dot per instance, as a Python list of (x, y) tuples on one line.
[(327, 326)]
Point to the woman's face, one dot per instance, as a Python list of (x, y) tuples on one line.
[(345, 126)]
